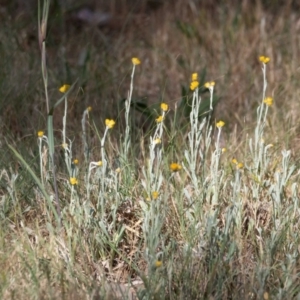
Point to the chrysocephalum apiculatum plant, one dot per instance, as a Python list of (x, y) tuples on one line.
[(192, 224), (126, 142)]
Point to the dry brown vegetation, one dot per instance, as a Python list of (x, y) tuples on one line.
[(173, 40)]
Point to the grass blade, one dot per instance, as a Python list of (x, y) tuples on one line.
[(36, 179)]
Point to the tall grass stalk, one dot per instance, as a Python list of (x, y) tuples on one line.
[(42, 26), (126, 143), (262, 109), (86, 151)]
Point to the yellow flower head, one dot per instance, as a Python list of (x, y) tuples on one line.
[(220, 124), (224, 150), (75, 161), (209, 84), (155, 195), (268, 101), (40, 133), (73, 181), (135, 61), (118, 170), (65, 145), (164, 106), (194, 76), (64, 88), (264, 59), (175, 167), (234, 161), (158, 263), (89, 109), (159, 119), (99, 163), (110, 123), (157, 141), (239, 166), (194, 85)]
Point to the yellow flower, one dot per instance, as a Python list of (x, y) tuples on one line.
[(220, 124), (159, 119), (268, 101), (135, 61), (89, 109), (209, 84), (224, 150), (175, 167), (164, 106), (239, 165), (65, 145), (158, 263), (194, 85), (110, 123), (118, 170), (157, 141), (99, 163), (155, 195), (73, 181), (264, 59), (234, 161), (75, 161), (40, 133), (64, 88), (194, 76)]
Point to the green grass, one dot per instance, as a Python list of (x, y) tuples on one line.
[(178, 207)]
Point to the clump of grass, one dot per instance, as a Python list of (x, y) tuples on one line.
[(196, 221)]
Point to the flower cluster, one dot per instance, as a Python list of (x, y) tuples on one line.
[(264, 59), (159, 119), (65, 146), (64, 88), (135, 61), (73, 181), (157, 141), (268, 101), (195, 83), (209, 84), (40, 133), (155, 195), (175, 167), (110, 123), (164, 107), (238, 165), (158, 263), (220, 124)]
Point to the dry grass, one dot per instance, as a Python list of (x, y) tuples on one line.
[(172, 41)]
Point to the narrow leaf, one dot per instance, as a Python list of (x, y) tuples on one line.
[(50, 135), (36, 179)]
